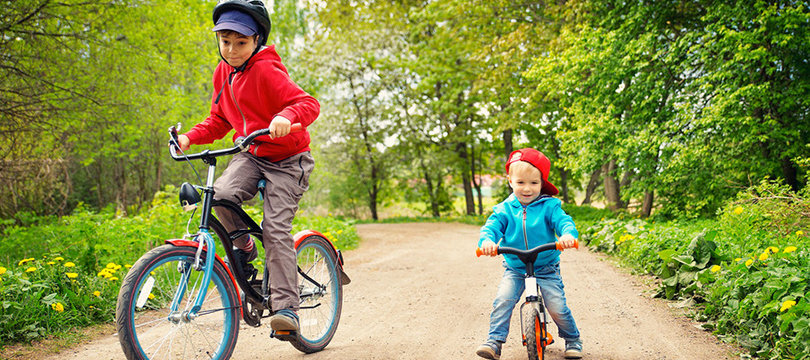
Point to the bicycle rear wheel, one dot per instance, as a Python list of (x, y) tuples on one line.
[(536, 336), (147, 329), (321, 292)]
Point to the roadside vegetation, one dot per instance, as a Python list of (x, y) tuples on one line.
[(59, 274), (744, 274)]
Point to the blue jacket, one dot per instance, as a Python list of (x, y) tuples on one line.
[(544, 218)]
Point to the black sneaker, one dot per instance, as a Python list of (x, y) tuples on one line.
[(489, 350), (244, 258)]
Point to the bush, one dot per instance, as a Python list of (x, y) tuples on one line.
[(748, 270)]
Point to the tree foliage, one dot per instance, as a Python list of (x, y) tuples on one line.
[(668, 107)]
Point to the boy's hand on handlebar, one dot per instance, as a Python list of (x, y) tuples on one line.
[(280, 126), (185, 143), (489, 248), (567, 241)]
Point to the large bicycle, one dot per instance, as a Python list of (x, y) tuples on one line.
[(533, 317), (182, 301)]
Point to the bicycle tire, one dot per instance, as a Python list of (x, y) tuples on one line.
[(535, 333), (142, 318), (320, 310)]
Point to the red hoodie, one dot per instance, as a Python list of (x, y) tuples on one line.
[(248, 100)]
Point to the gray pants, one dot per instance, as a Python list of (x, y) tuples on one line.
[(287, 180)]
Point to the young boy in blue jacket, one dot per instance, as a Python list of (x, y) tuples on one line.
[(530, 208)]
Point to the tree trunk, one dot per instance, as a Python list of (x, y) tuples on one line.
[(461, 150), (789, 173), (612, 196), (478, 186), (476, 182), (372, 203), (434, 201), (592, 184), (507, 143), (564, 185), (647, 204)]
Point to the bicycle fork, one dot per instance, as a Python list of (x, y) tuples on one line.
[(534, 300), (204, 240)]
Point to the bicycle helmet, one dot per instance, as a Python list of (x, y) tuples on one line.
[(254, 8)]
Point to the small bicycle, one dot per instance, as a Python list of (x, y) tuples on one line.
[(533, 318), (182, 301)]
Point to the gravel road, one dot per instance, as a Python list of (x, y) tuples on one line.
[(419, 292)]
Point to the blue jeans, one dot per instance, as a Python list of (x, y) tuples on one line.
[(509, 294)]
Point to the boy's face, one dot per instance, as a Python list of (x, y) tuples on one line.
[(526, 182), (235, 47)]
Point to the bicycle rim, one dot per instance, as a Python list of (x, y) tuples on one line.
[(321, 294), (147, 327)]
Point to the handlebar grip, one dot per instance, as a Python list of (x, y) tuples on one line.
[(561, 248), (479, 252)]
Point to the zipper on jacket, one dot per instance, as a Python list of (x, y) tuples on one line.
[(233, 97), (525, 237)]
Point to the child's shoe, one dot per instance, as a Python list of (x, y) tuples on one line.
[(284, 320), (490, 350), (573, 349)]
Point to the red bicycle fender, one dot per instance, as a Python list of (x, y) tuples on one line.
[(303, 234), (184, 242)]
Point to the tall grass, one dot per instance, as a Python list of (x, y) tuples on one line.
[(60, 274)]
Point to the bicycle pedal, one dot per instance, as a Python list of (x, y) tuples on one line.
[(284, 335)]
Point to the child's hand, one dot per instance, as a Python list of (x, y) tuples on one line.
[(280, 126), (489, 248), (184, 142), (567, 241)]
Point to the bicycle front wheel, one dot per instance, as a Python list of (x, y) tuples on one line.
[(535, 333), (321, 293), (149, 329)]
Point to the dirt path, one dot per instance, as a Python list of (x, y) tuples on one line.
[(419, 292)]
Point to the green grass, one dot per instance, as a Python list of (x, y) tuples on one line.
[(61, 274)]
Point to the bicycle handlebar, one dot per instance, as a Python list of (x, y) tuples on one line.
[(521, 253), (240, 144)]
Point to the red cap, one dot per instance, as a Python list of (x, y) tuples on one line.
[(538, 160)]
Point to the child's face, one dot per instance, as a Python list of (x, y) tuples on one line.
[(236, 48), (526, 182)]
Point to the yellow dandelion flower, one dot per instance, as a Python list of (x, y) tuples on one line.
[(111, 265), (3, 270), (58, 307), (31, 269), (749, 262), (59, 258), (787, 305), (715, 268), (340, 231), (97, 293), (51, 262), (114, 278), (23, 261), (772, 249), (128, 266), (738, 259), (151, 296), (72, 275), (789, 249), (69, 264), (763, 256), (738, 210), (800, 233)]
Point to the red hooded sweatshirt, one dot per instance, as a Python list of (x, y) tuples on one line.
[(248, 100)]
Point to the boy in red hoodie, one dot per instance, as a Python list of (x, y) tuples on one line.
[(252, 91)]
